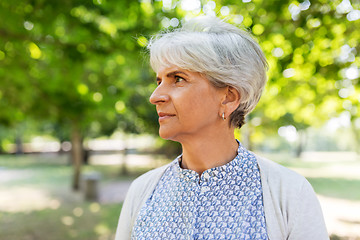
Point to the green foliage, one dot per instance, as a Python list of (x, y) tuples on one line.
[(82, 61), (305, 56), (76, 62), (311, 47)]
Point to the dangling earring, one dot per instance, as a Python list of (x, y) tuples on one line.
[(223, 116)]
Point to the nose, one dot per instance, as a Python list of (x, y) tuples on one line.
[(159, 95)]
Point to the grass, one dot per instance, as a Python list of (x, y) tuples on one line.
[(61, 213), (332, 179), (337, 187), (336, 179), (58, 224), (71, 221)]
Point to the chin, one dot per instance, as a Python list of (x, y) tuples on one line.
[(167, 135)]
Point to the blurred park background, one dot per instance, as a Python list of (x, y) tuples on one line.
[(74, 110)]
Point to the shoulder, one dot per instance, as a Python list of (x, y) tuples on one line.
[(276, 175), (290, 203), (137, 194), (140, 189), (148, 180), (284, 186)]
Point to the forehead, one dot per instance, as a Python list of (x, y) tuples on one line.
[(164, 69), (169, 71)]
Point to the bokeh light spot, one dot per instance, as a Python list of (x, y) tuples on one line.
[(97, 97), (82, 89), (174, 22), (277, 52), (28, 25), (78, 212), (102, 229), (35, 51), (120, 106), (225, 10), (288, 132), (190, 5), (258, 29), (353, 15), (142, 41), (247, 21), (94, 207), (55, 204), (288, 73), (67, 220)]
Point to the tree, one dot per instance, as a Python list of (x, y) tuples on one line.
[(78, 65), (311, 49)]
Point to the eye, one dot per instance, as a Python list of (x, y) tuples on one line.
[(158, 82), (179, 79)]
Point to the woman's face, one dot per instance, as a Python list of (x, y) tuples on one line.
[(188, 105)]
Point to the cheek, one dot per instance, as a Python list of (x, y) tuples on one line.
[(198, 106), (188, 100)]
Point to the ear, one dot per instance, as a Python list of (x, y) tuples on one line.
[(230, 101)]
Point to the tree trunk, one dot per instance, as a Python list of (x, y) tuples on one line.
[(301, 143), (77, 155), (356, 133), (124, 168), (19, 145)]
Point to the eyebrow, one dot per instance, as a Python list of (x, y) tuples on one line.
[(171, 74)]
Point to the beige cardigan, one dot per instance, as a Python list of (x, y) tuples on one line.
[(292, 211)]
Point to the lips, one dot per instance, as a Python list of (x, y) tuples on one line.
[(163, 116)]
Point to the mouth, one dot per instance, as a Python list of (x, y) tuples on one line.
[(163, 116)]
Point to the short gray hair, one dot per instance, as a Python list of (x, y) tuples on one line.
[(223, 53)]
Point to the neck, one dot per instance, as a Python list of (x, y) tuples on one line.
[(202, 154)]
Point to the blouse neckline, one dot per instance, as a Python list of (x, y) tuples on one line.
[(212, 173)]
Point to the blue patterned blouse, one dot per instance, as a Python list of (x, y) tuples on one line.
[(223, 203)]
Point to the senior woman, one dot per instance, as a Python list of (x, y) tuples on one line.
[(210, 75)]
